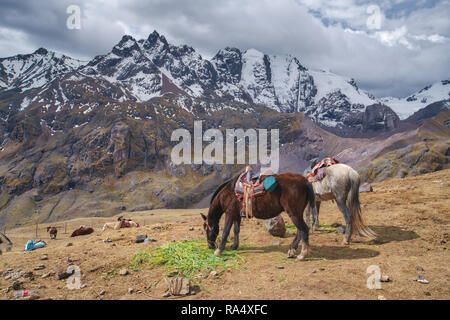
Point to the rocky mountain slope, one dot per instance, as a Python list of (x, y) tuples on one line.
[(93, 138)]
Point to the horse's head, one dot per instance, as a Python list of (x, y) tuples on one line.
[(211, 232)]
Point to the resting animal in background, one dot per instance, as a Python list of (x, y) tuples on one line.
[(121, 223), (81, 231), (53, 231)]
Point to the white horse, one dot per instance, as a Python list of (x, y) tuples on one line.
[(117, 225), (341, 183)]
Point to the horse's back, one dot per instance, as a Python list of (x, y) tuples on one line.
[(340, 171)]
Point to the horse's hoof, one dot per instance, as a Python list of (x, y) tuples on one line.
[(345, 242), (291, 253), (302, 255), (218, 252)]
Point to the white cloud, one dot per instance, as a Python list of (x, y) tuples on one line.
[(409, 51)]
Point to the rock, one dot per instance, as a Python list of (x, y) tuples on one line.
[(9, 276), (44, 257), (32, 296), (419, 268), (340, 229), (150, 240), (384, 278), (140, 238), (179, 286), (365, 187), (423, 281), (401, 174), (37, 197), (275, 226), (102, 293), (16, 285), (191, 229), (280, 267), (213, 273), (336, 225), (276, 243), (381, 298), (123, 272), (46, 275), (123, 208), (69, 244), (130, 290), (314, 271), (107, 240), (62, 273), (83, 286), (40, 267), (379, 117), (166, 294)]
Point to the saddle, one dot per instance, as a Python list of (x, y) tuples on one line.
[(319, 171), (249, 186), (125, 223)]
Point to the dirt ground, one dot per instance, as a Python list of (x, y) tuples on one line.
[(411, 217)]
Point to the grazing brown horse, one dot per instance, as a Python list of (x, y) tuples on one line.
[(81, 231), (53, 232), (292, 195)]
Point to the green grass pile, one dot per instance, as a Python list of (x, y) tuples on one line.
[(321, 227), (185, 258)]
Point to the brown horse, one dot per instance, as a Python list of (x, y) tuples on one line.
[(53, 232), (81, 231), (292, 195)]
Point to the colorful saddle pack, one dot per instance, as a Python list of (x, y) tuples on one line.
[(249, 186), (319, 171)]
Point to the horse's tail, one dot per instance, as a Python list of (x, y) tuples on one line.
[(311, 196), (355, 208)]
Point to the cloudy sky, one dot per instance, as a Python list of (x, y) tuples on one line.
[(390, 47)]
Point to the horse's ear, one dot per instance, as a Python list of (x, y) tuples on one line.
[(203, 216)]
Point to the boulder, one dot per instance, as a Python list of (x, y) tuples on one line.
[(179, 286), (140, 238), (365, 187), (275, 226), (62, 272)]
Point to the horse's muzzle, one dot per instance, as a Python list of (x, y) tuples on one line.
[(211, 245)]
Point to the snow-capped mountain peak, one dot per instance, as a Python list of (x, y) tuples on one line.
[(139, 70), (35, 70), (405, 107)]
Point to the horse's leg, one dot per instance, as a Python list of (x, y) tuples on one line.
[(309, 215), (294, 244), (225, 233), (236, 229), (348, 220), (315, 218), (302, 234)]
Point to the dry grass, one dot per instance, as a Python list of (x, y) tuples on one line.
[(410, 215)]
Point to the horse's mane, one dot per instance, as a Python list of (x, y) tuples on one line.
[(223, 185)]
